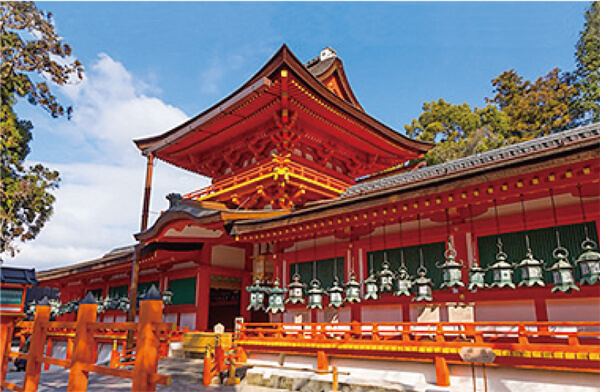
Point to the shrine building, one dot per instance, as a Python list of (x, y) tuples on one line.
[(309, 190)]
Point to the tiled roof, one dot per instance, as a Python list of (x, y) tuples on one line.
[(490, 157), (18, 276)]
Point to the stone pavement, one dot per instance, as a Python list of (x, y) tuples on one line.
[(56, 381)]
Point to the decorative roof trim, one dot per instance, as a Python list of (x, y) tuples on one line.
[(490, 157)]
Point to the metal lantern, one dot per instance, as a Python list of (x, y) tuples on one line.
[(371, 287), (386, 278), (423, 286), (403, 282), (257, 296), (589, 263), (502, 271), (276, 295), (562, 271), (531, 271), (476, 277), (352, 290), (336, 299), (167, 296), (295, 290), (315, 295), (451, 274)]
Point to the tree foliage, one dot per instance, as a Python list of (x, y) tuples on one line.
[(534, 108), (458, 130), (587, 74), (32, 56)]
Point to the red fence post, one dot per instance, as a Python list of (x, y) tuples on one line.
[(6, 332), (36, 346), (48, 352), (84, 349), (442, 372), (322, 361), (146, 357)]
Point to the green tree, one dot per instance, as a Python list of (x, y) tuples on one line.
[(587, 74), (32, 55), (534, 109), (458, 130)]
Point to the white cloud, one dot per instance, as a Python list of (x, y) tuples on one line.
[(99, 202)]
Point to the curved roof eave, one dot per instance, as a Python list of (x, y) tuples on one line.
[(285, 56)]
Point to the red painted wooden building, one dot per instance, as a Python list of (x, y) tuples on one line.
[(305, 182)]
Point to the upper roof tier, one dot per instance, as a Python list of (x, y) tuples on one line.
[(307, 110)]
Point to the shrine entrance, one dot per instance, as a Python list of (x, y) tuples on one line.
[(224, 304)]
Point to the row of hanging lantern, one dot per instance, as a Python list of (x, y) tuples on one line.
[(532, 270), (57, 308), (401, 283)]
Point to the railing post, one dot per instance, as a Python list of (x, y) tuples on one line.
[(207, 368), (36, 346), (70, 345), (48, 353), (114, 355), (442, 372), (322, 361), (146, 357), (84, 350), (242, 356), (6, 332), (522, 334)]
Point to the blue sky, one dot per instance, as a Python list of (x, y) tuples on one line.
[(150, 65)]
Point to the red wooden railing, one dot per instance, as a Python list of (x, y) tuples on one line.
[(275, 167), (572, 346)]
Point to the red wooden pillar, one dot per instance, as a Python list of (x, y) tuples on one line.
[(36, 347), (541, 312), (146, 359), (202, 297), (406, 312), (84, 351), (246, 281)]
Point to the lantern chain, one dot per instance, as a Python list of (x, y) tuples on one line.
[(585, 226)]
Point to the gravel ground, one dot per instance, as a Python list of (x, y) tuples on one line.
[(56, 381)]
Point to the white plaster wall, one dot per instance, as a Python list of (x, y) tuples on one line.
[(291, 315), (228, 257), (577, 309), (104, 350), (522, 380), (505, 311), (416, 376), (59, 351), (188, 320), (120, 319), (170, 318), (382, 314)]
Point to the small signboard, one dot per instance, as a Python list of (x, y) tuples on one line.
[(11, 296), (219, 328), (477, 354)]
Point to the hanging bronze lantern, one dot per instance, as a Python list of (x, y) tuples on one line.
[(352, 289), (296, 290), (386, 277), (476, 277), (423, 286), (502, 271), (531, 271), (562, 271), (276, 295), (451, 274), (589, 263), (257, 296), (315, 295), (403, 282), (371, 287), (336, 299)]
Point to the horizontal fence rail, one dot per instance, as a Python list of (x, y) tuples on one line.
[(573, 346)]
